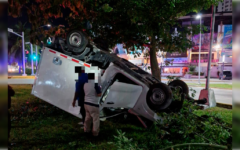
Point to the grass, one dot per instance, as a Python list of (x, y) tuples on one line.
[(225, 114), (39, 125), (220, 86)]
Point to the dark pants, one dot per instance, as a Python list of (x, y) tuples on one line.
[(82, 110)]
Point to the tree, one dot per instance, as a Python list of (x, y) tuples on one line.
[(139, 22), (133, 22)]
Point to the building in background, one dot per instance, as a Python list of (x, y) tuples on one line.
[(221, 51), (225, 6)]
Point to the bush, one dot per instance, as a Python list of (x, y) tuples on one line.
[(29, 71), (196, 73), (192, 68), (182, 127)]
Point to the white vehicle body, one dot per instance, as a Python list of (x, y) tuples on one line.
[(56, 78)]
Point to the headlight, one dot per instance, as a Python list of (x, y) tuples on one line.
[(224, 76)]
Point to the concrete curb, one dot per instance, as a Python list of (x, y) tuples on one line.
[(227, 106), (21, 77)]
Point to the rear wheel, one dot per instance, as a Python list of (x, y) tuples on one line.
[(181, 90), (159, 97), (181, 85), (77, 41)]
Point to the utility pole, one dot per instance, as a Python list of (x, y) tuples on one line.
[(209, 93), (23, 51), (210, 49), (199, 59)]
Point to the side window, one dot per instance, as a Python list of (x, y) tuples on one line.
[(121, 78)]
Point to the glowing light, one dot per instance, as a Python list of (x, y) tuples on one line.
[(217, 46), (198, 16), (49, 40)]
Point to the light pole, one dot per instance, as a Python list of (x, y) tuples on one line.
[(23, 49), (200, 43), (31, 47)]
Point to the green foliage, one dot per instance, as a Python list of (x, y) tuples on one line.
[(29, 71), (196, 73), (40, 125), (176, 128), (192, 68), (107, 8), (132, 22), (172, 78), (124, 143), (190, 72)]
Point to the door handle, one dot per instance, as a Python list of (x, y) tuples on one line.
[(110, 102)]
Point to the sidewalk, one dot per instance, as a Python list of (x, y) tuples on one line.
[(21, 77)]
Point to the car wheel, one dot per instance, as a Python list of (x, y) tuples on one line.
[(159, 97), (179, 84), (76, 41)]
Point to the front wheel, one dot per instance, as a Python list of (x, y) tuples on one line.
[(159, 97)]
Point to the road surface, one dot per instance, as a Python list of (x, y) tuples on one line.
[(222, 95)]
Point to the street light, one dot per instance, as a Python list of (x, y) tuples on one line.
[(48, 25), (23, 49), (200, 43)]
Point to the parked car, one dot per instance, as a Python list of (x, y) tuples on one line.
[(126, 88), (225, 75), (13, 68)]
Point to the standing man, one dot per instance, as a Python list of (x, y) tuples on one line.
[(92, 93), (79, 92)]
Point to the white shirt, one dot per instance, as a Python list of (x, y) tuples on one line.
[(90, 93)]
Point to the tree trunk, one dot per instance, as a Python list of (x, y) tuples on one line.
[(153, 59)]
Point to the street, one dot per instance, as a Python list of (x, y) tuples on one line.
[(222, 95)]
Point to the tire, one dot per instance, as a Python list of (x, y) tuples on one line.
[(181, 84), (159, 97), (76, 41)]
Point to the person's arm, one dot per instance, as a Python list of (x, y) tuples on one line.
[(98, 90), (74, 99), (75, 96)]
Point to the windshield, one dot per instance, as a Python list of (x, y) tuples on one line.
[(227, 72)]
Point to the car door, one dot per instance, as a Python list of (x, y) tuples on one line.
[(122, 95)]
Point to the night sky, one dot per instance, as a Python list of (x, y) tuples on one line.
[(24, 19)]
